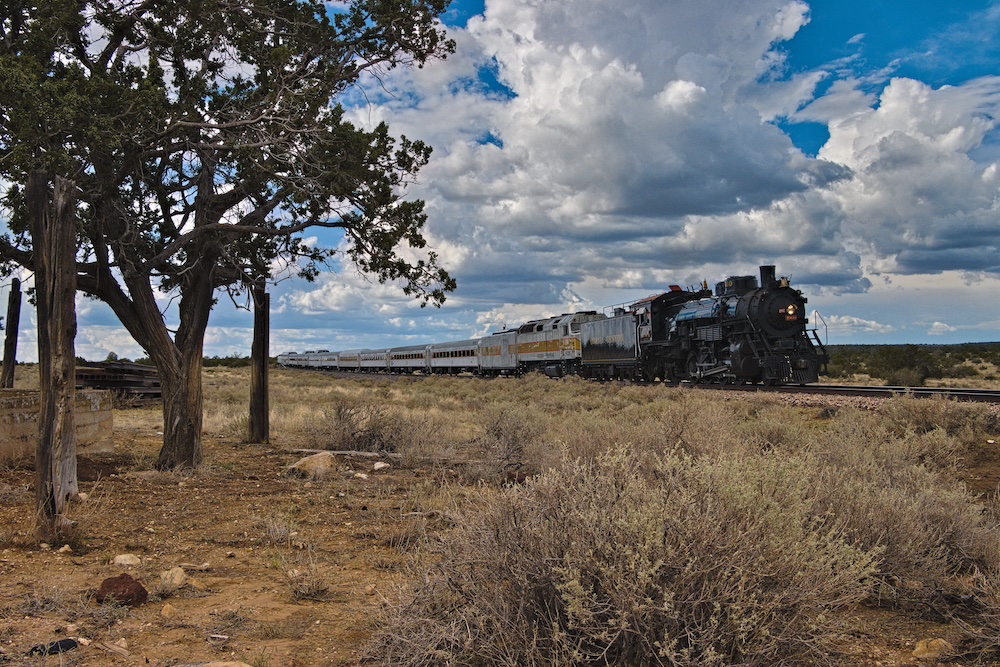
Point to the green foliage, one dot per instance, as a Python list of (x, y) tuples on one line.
[(205, 138), (215, 95), (912, 365), (229, 361)]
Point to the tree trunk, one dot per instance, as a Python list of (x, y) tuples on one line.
[(10, 341), (180, 372), (182, 414), (259, 422), (178, 360), (54, 243)]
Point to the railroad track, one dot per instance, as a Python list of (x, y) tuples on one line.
[(957, 394)]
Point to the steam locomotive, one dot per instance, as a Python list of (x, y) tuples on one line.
[(743, 332)]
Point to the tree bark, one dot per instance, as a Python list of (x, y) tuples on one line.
[(10, 341), (259, 422), (182, 414), (54, 244), (181, 367)]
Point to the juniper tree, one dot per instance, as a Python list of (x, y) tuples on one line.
[(206, 137)]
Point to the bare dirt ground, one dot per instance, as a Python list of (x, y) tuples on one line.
[(282, 571), (244, 517)]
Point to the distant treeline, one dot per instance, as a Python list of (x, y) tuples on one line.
[(228, 361), (913, 365)]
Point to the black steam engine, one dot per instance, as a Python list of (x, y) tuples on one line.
[(744, 332)]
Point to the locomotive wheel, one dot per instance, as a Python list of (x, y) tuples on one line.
[(692, 369), (652, 369)]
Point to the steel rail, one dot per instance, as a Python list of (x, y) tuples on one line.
[(953, 393)]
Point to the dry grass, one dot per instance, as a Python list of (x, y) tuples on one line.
[(567, 522)]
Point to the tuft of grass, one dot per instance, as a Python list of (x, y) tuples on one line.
[(278, 529), (307, 581)]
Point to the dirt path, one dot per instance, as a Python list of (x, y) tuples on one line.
[(295, 569)]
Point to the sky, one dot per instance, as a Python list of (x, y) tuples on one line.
[(589, 153)]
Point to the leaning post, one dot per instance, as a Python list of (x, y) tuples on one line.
[(10, 340), (54, 240)]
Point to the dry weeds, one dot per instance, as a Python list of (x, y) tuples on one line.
[(532, 521)]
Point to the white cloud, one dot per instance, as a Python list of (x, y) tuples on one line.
[(849, 325), (940, 328), (631, 146)]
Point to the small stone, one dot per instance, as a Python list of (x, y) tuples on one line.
[(127, 560), (316, 466), (370, 589), (169, 611), (931, 649), (121, 643), (380, 465), (360, 475), (172, 579), (72, 629), (54, 648), (84, 497), (65, 549), (123, 589)]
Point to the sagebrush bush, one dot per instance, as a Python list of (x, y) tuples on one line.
[(635, 560), (509, 435), (368, 426), (967, 421), (892, 489)]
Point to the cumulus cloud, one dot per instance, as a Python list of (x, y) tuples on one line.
[(588, 153), (940, 328), (610, 152), (918, 200), (849, 325), (619, 140)]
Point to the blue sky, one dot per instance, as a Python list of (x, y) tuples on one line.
[(587, 153)]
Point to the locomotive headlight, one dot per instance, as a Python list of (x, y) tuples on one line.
[(791, 310)]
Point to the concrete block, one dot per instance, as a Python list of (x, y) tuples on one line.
[(19, 423)]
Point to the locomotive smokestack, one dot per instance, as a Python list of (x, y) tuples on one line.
[(767, 275)]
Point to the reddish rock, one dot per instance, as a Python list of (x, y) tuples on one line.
[(123, 589)]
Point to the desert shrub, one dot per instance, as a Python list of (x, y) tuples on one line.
[(903, 377), (777, 429), (634, 560), (968, 423), (961, 371), (368, 426), (510, 443), (895, 493)]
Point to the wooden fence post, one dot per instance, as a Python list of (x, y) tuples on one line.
[(54, 247), (10, 339), (259, 424)]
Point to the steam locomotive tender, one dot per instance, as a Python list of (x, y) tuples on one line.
[(743, 333)]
